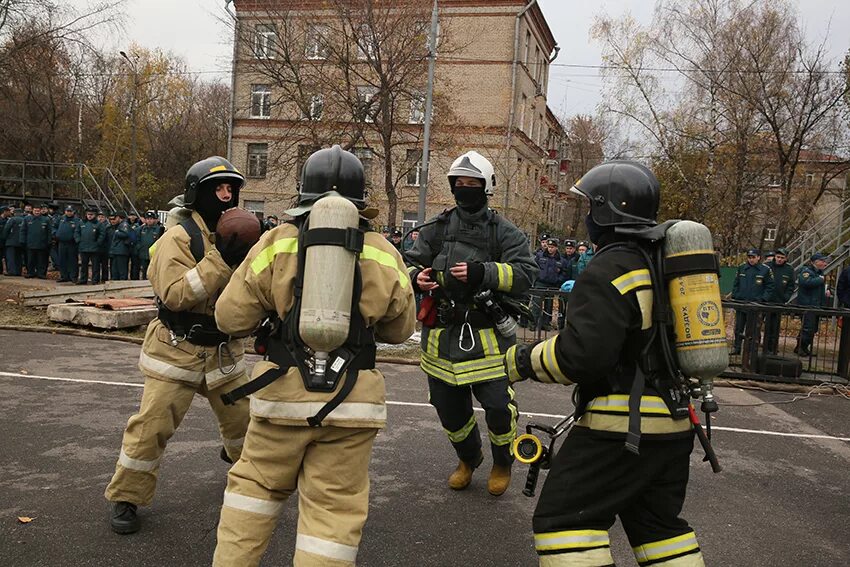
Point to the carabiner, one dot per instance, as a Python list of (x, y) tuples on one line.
[(463, 328), (224, 346)]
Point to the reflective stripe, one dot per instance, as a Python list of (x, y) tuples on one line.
[(467, 365), (506, 276), (489, 341), (459, 378), (136, 464), (385, 259), (463, 432), (572, 558), (619, 423), (571, 539), (325, 548), (267, 255), (152, 249), (433, 345), (194, 281), (218, 375), (232, 442), (545, 363), (253, 505), (504, 438), (302, 410), (631, 280), (652, 405), (510, 364), (169, 370), (666, 547)]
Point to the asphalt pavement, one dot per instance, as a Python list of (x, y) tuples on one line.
[(782, 498)]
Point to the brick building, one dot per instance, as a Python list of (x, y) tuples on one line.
[(306, 75)]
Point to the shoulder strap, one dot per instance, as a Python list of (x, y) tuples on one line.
[(196, 239), (440, 235), (493, 244)]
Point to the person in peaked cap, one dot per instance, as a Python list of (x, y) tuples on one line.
[(784, 285), (753, 282), (4, 218), (814, 293), (65, 234), (149, 233), (90, 236)]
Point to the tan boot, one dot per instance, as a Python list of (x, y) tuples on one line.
[(462, 475), (500, 479)]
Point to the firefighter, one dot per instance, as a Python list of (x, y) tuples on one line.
[(329, 464), (463, 251), (184, 353), (593, 478)]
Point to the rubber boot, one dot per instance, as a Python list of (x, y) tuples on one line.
[(124, 519), (500, 479), (462, 475)]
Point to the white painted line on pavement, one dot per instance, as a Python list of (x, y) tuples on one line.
[(423, 405)]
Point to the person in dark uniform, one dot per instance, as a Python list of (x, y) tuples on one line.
[(15, 243), (55, 216), (90, 237), (133, 226), (65, 233), (753, 282), (108, 229), (38, 234), (551, 276), (783, 288), (148, 234), (4, 218), (463, 251), (813, 292), (593, 478), (119, 247), (395, 239)]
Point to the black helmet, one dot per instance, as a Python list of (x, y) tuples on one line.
[(333, 169), (213, 169), (621, 193)]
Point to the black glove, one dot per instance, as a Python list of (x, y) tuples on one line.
[(234, 250), (474, 274), (518, 363)]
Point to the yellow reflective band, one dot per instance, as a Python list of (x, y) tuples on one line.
[(385, 259), (433, 346), (571, 539), (550, 361), (466, 366), (267, 255), (410, 271), (460, 378), (506, 276), (218, 168), (510, 363), (152, 249), (666, 547), (619, 403), (463, 432), (629, 281), (504, 438), (690, 252), (619, 423), (489, 341)]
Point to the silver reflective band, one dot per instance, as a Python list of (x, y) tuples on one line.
[(303, 410), (673, 546), (194, 281), (253, 505), (169, 370), (136, 464), (571, 540), (325, 548)]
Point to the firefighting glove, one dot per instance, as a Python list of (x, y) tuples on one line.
[(474, 274), (234, 250), (518, 363)]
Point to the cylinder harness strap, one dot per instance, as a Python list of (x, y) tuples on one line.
[(286, 349)]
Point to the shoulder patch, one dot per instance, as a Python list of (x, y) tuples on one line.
[(632, 280), (806, 274)]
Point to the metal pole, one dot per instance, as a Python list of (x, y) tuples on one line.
[(429, 103), (232, 80), (132, 125)]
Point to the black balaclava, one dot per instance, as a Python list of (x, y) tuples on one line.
[(209, 206), (594, 231), (470, 199)]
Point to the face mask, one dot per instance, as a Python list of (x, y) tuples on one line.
[(470, 199), (594, 231), (210, 207)]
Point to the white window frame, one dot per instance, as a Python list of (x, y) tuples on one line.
[(261, 99), (527, 47), (365, 96), (258, 161), (315, 42), (417, 108), (366, 43), (414, 176), (264, 42), (315, 109), (810, 180), (770, 234), (523, 104)]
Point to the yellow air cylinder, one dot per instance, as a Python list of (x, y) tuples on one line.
[(328, 281), (694, 290)]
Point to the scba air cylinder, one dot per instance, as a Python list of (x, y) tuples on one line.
[(690, 269), (328, 281)]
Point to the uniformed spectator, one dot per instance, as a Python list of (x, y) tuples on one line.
[(769, 257), (464, 251), (570, 252), (4, 218), (814, 293), (385, 232), (133, 226), (410, 240), (270, 222), (119, 247), (544, 238), (108, 229), (552, 274), (783, 288), (90, 237), (65, 233), (38, 234), (148, 234), (52, 212), (842, 289), (27, 209), (586, 252), (582, 247), (395, 239), (13, 234), (753, 282)]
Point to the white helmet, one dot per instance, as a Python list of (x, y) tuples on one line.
[(473, 164)]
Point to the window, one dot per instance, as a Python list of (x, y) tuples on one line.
[(810, 180), (365, 103), (522, 106), (417, 108), (365, 155), (264, 41), (366, 42), (315, 109), (316, 46), (408, 221), (256, 207), (773, 180), (527, 47), (258, 160), (770, 234), (261, 101), (414, 162), (537, 65)]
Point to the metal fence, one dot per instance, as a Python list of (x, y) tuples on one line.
[(768, 345)]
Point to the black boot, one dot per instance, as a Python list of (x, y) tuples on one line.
[(124, 519), (225, 457)]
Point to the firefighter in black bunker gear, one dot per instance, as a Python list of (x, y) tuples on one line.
[(460, 253), (593, 478)]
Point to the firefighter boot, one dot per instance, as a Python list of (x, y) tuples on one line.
[(462, 475), (500, 479), (124, 519)]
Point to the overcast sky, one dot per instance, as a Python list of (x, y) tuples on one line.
[(193, 30)]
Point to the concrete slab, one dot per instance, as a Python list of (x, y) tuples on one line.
[(88, 316), (58, 294)]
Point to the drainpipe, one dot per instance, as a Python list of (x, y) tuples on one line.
[(512, 116), (232, 79)]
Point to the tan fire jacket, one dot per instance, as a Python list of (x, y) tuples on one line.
[(184, 285), (265, 282)]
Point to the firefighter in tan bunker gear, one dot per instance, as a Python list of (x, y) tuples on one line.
[(328, 464), (183, 352)]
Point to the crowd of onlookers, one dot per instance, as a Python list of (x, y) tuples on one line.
[(90, 249)]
